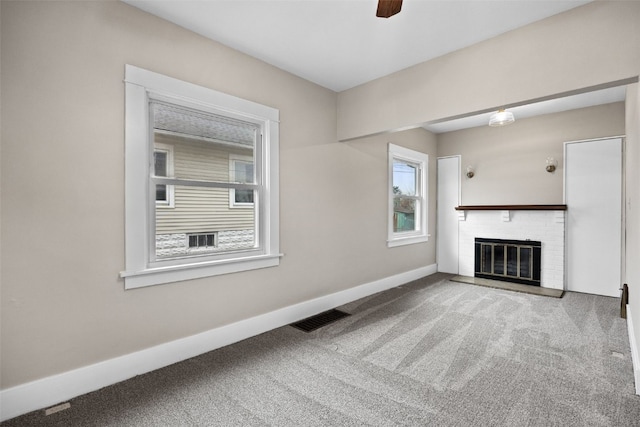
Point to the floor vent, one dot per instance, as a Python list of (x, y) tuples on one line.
[(319, 320)]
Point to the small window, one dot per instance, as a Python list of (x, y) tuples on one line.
[(407, 196), (202, 240), (163, 167), (190, 148), (241, 172)]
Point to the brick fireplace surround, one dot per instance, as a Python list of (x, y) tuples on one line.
[(545, 223)]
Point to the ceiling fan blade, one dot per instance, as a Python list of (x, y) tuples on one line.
[(387, 8)]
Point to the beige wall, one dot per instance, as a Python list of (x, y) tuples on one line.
[(62, 223), (590, 45), (510, 161), (633, 207), (374, 189), (348, 183)]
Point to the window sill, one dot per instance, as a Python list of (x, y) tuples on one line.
[(409, 240), (177, 273)]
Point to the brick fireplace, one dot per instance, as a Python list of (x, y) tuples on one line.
[(540, 223)]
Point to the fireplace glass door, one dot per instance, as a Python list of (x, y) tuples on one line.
[(508, 260)]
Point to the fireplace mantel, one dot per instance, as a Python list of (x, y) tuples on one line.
[(512, 208)]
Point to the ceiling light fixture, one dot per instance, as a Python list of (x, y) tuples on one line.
[(501, 118)]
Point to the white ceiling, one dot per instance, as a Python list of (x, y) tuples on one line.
[(340, 44)]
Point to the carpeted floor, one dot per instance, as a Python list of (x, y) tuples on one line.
[(429, 353)]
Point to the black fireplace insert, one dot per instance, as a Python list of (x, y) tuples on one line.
[(516, 261)]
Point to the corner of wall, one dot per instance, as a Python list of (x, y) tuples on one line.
[(635, 357), (632, 219)]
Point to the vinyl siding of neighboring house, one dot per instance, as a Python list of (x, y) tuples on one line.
[(197, 210)]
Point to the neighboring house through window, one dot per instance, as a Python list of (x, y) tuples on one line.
[(203, 154), (407, 196), (240, 171), (163, 167), (205, 240)]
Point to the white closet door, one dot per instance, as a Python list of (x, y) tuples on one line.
[(593, 194), (447, 217)]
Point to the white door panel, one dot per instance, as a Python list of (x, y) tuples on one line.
[(593, 194), (448, 198)]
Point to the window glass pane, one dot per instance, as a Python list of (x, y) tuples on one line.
[(242, 172), (203, 211), (161, 193), (404, 210), (160, 160), (204, 143), (405, 177), (244, 196)]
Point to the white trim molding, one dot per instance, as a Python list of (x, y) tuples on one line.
[(635, 351), (49, 391), (142, 266)]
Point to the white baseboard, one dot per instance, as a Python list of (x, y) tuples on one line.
[(635, 351), (49, 391)]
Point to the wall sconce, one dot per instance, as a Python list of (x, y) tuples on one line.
[(470, 172), (552, 164)]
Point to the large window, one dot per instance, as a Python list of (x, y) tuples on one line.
[(407, 196), (193, 156)]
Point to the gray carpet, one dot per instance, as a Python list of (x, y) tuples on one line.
[(429, 353)]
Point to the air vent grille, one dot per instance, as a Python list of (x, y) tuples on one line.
[(319, 320)]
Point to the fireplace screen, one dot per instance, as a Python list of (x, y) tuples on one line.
[(515, 261)]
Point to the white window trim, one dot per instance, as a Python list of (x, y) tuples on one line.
[(232, 191), (140, 86), (421, 233), (170, 203)]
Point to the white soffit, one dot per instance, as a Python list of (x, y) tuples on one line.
[(340, 44), (588, 99)]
